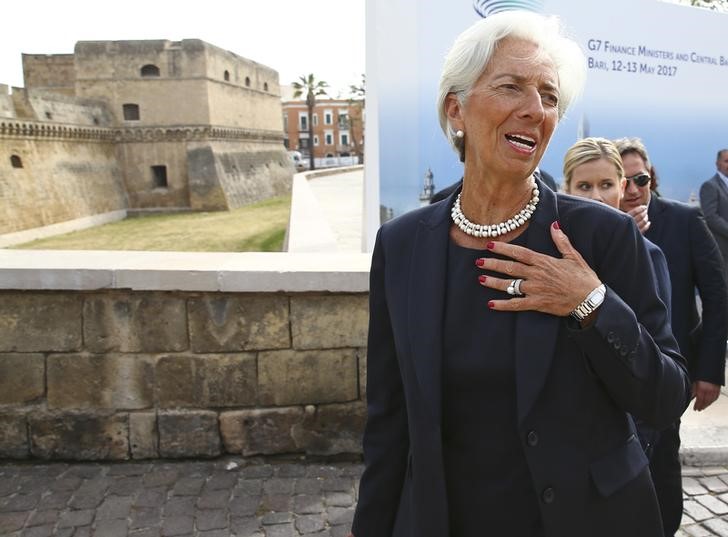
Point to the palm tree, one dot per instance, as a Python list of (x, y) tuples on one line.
[(312, 88)]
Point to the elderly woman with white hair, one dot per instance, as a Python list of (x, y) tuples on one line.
[(512, 330)]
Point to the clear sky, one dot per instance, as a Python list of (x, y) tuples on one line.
[(295, 37)]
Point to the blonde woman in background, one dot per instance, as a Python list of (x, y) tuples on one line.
[(593, 169)]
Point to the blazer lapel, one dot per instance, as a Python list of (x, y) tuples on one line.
[(536, 332), (722, 187), (657, 228), (426, 302)]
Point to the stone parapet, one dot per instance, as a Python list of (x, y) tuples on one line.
[(95, 366)]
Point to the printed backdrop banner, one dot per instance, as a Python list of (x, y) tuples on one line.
[(656, 70)]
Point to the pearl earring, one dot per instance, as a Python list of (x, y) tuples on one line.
[(460, 134)]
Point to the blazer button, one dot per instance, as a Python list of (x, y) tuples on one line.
[(624, 351), (610, 337), (532, 438), (548, 495)]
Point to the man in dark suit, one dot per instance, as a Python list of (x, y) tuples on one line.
[(538, 173), (714, 202), (694, 261)]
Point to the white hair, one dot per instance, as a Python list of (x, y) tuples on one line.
[(473, 49)]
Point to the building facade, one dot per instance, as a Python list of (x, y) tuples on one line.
[(338, 130), (138, 125)]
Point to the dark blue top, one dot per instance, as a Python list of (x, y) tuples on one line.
[(489, 486)]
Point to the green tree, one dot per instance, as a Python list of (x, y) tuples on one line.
[(312, 88), (357, 97)]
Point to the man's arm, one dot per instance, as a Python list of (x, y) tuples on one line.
[(709, 371)]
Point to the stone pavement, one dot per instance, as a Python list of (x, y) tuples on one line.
[(223, 498)]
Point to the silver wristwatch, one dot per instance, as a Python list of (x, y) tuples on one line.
[(592, 301)]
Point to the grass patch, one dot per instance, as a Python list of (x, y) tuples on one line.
[(254, 228)]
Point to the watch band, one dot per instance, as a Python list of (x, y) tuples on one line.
[(592, 301)]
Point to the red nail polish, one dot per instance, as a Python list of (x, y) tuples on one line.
[(490, 245), (556, 224), (482, 278), (480, 261), (491, 305)]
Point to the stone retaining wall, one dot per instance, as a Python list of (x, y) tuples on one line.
[(132, 374)]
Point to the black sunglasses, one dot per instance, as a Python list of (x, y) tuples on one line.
[(641, 179)]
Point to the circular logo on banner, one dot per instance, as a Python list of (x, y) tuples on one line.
[(489, 7)]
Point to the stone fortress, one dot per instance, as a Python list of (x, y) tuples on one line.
[(122, 126)]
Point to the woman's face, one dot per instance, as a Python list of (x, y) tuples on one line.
[(511, 111), (598, 180)]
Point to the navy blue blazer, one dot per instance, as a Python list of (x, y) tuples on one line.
[(574, 387), (662, 274), (694, 261)]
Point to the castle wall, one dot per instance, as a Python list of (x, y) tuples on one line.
[(232, 106), (136, 160), (66, 174), (55, 72)]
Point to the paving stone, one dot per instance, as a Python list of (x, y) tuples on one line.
[(125, 486), (696, 530), (352, 470), (41, 518), (55, 500), (7, 486), (263, 470), (11, 522), (309, 485), (713, 470), (692, 471), (307, 504), (244, 506), (714, 484), (339, 499), (696, 511), (19, 502), (64, 532), (717, 526), (692, 486), (39, 531), (188, 486), (270, 519), (338, 484), (322, 471), (339, 531), (712, 503), (214, 533), (148, 532), (277, 502), (341, 515), (84, 531), (281, 530), (153, 497), (114, 507), (245, 526), (220, 481), (211, 519), (179, 505), (322, 533), (128, 469), (278, 485), (214, 499), (81, 517), (249, 487), (290, 470), (310, 524), (145, 517), (157, 478), (178, 525), (111, 528), (66, 482)]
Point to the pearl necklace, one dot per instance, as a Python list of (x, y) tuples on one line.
[(494, 230)]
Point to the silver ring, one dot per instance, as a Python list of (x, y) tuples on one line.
[(514, 289)]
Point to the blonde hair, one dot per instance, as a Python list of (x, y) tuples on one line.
[(587, 150), (473, 49)]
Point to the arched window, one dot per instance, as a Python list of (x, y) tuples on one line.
[(247, 81), (226, 75), (265, 86), (16, 161), (150, 70), (131, 111)]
